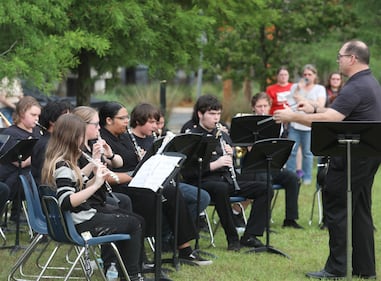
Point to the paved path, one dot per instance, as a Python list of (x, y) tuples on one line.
[(179, 115)]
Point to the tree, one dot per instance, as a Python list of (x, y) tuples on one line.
[(263, 35), (45, 39)]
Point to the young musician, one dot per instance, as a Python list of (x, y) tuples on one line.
[(219, 177), (113, 118), (60, 171), (26, 115), (261, 104)]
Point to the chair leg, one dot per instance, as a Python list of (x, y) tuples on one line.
[(3, 236), (273, 204), (30, 230), (210, 229), (316, 194)]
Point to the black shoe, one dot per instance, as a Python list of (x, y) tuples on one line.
[(195, 258), (323, 226), (139, 277), (251, 241), (238, 220), (234, 246), (291, 223), (323, 275), (13, 218)]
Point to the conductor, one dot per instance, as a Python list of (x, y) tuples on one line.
[(358, 100)]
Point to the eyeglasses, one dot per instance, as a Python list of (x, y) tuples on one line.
[(339, 56), (122, 117), (96, 124)]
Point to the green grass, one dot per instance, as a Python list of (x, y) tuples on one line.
[(308, 249)]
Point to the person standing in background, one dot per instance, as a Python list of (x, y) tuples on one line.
[(279, 91), (333, 86), (307, 89)]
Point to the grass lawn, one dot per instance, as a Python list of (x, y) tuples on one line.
[(308, 248)]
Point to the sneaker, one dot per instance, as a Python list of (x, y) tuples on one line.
[(239, 221), (307, 182), (291, 223), (195, 258), (251, 241), (299, 174), (138, 277)]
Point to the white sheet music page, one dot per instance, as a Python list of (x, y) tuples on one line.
[(155, 171)]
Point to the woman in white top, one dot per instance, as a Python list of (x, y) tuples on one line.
[(306, 89)]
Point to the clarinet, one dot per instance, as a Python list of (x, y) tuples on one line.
[(233, 175), (138, 149)]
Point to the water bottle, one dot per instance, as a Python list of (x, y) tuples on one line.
[(112, 273)]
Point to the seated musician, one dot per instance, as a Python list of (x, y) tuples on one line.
[(219, 178), (113, 118)]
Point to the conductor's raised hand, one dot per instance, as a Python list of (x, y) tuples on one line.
[(305, 106), (283, 115)]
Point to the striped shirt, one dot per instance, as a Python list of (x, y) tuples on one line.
[(66, 182)]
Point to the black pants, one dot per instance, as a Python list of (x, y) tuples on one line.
[(289, 181), (220, 191), (4, 193), (144, 204), (335, 194), (118, 223)]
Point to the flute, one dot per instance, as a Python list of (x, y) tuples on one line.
[(43, 129), (233, 175), (112, 174)]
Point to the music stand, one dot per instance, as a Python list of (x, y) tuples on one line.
[(158, 204), (268, 154), (246, 130), (196, 147), (17, 152), (347, 139), (192, 145)]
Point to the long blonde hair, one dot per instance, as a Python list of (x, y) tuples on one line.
[(64, 145)]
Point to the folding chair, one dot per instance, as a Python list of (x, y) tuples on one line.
[(61, 228), (4, 213), (37, 222), (216, 222), (322, 167), (276, 188)]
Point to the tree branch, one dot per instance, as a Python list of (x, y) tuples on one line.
[(9, 49)]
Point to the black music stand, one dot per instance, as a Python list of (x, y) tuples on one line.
[(268, 154), (158, 218), (194, 147), (346, 139), (17, 152), (246, 130)]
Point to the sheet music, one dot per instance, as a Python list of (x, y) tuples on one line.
[(153, 173)]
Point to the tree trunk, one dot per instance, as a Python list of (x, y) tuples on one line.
[(85, 83), (226, 103)]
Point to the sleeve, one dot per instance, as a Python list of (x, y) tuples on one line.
[(65, 182)]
